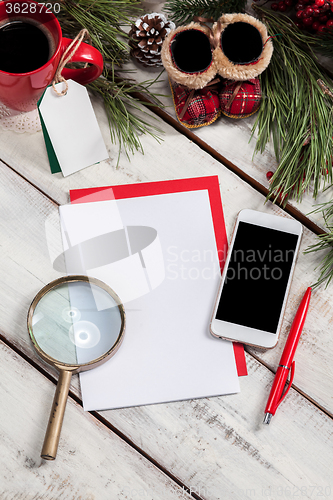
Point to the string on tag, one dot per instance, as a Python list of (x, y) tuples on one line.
[(66, 57)]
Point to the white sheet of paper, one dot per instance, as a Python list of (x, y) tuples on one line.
[(73, 129), (168, 353)]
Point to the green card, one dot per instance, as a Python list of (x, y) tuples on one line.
[(71, 131), (53, 160)]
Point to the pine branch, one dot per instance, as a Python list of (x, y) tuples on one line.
[(295, 113), (324, 243), (183, 11), (104, 19), (127, 115), (323, 43)]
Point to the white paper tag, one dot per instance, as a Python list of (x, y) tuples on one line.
[(72, 127)]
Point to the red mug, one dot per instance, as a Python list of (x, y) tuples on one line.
[(21, 90)]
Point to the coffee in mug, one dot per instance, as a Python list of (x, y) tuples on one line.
[(31, 47), (24, 47)]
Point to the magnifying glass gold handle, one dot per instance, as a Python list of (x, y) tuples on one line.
[(51, 441)]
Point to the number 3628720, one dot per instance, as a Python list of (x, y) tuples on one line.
[(31, 8)]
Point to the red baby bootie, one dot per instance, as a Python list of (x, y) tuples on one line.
[(240, 99), (243, 50), (187, 56), (195, 108)]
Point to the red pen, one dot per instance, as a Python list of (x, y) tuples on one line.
[(287, 363)]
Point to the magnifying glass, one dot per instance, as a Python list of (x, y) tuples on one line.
[(75, 323)]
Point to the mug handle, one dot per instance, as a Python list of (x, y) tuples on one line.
[(85, 53)]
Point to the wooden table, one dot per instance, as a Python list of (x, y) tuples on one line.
[(214, 448)]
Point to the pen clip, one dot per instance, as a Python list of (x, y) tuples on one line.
[(288, 383)]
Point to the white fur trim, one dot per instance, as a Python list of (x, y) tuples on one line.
[(190, 80), (242, 72)]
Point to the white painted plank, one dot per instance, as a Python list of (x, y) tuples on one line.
[(178, 157), (224, 451), (92, 462), (25, 266), (228, 137), (19, 198)]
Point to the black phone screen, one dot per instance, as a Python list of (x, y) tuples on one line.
[(257, 277)]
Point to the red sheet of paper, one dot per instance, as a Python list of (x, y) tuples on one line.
[(210, 183)]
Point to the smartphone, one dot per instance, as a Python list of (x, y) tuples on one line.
[(256, 279)]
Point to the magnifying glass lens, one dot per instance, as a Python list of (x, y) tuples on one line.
[(75, 323)]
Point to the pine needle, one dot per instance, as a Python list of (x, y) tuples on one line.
[(183, 11), (295, 113), (323, 43), (324, 243), (126, 113), (105, 19)]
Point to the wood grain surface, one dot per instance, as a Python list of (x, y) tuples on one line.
[(199, 444), (213, 448), (93, 462)]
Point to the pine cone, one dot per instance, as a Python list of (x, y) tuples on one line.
[(147, 35)]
